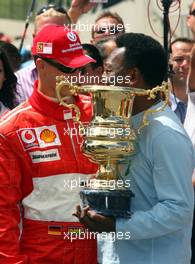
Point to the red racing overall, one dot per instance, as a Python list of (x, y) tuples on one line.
[(42, 169)]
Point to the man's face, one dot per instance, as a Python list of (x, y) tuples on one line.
[(107, 48), (48, 73), (115, 70), (191, 19), (180, 60), (89, 75), (106, 27)]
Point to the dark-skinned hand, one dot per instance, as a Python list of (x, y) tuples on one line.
[(95, 222)]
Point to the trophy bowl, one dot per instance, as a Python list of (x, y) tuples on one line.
[(108, 140)]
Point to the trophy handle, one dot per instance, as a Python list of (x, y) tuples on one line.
[(164, 88), (60, 84), (73, 90)]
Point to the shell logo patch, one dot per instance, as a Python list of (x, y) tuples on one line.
[(48, 136)]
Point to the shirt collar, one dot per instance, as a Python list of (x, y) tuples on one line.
[(137, 120), (174, 101)]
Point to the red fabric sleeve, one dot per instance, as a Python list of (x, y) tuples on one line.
[(10, 197)]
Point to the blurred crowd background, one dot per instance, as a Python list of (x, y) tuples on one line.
[(137, 15)]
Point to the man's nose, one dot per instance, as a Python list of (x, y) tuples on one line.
[(107, 31), (108, 66), (185, 62)]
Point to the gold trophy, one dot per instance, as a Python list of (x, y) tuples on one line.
[(109, 140)]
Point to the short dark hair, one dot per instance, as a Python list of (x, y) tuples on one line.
[(145, 53), (112, 15), (8, 90), (184, 40), (93, 52)]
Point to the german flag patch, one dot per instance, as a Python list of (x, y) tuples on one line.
[(55, 230)]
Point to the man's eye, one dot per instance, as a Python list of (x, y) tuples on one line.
[(113, 30), (178, 60), (101, 30)]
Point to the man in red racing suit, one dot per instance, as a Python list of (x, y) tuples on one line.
[(42, 167)]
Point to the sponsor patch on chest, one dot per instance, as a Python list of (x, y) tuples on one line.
[(44, 156), (39, 137)]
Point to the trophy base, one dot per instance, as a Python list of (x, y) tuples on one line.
[(108, 202)]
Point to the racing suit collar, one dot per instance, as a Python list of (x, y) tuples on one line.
[(49, 107)]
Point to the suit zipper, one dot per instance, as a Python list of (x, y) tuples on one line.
[(72, 141)]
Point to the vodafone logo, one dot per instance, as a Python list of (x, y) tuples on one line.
[(28, 136), (72, 36)]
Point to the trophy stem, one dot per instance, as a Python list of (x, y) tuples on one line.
[(107, 170)]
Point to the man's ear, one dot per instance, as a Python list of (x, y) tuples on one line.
[(188, 21), (40, 64), (133, 76)]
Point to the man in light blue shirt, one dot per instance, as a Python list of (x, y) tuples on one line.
[(160, 173)]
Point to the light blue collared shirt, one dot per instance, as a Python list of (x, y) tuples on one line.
[(161, 179)]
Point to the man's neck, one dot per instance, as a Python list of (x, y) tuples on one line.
[(179, 90), (50, 93), (141, 103)]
